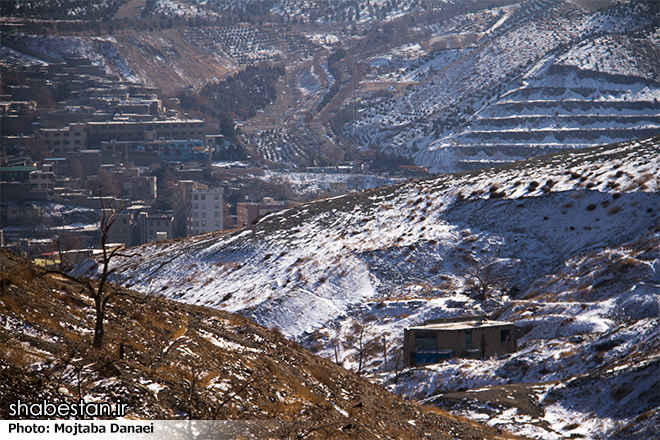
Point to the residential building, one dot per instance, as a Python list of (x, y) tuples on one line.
[(42, 182), (136, 186), (155, 227), (79, 136), (68, 139), (472, 337), (207, 211), (182, 205), (121, 230), (247, 213)]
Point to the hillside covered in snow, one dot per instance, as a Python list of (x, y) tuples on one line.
[(518, 81), (571, 242)]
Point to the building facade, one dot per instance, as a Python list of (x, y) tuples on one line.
[(247, 213), (473, 337), (207, 211), (121, 230), (79, 136), (155, 227)]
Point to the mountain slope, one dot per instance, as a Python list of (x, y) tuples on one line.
[(169, 360), (319, 258), (527, 79), (571, 241)]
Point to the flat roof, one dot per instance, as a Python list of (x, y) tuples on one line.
[(20, 169), (463, 325)]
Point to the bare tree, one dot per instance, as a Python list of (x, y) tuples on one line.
[(364, 346), (101, 295), (479, 276)]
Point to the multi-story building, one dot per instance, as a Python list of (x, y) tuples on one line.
[(121, 230), (135, 186), (247, 213), (207, 210), (68, 139), (155, 227), (79, 136), (42, 182), (197, 209), (182, 205)]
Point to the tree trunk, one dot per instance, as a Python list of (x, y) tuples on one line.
[(98, 328)]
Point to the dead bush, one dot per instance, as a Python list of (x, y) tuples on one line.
[(614, 210)]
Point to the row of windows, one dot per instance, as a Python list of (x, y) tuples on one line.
[(217, 224), (77, 142), (196, 205), (65, 134), (165, 223), (203, 197), (196, 214)]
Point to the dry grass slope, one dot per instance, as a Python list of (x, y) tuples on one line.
[(168, 360)]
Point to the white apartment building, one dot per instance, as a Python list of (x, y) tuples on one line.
[(207, 210), (42, 182)]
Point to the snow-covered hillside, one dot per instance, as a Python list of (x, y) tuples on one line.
[(519, 81), (572, 239)]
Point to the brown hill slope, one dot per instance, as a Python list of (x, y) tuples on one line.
[(168, 360)]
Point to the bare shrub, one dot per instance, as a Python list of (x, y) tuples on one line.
[(614, 210)]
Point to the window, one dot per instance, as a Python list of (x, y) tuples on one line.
[(196, 223), (203, 205), (196, 197), (217, 214), (196, 205), (203, 214), (505, 335), (426, 341), (468, 339), (217, 197), (195, 214), (217, 224), (203, 196), (217, 205)]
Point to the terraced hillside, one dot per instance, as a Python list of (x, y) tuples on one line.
[(518, 81)]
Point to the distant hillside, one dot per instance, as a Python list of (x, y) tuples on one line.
[(570, 240), (534, 78), (179, 361)]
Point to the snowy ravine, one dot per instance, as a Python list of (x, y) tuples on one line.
[(574, 241)]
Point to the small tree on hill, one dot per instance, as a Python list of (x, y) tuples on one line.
[(479, 276), (101, 294)]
